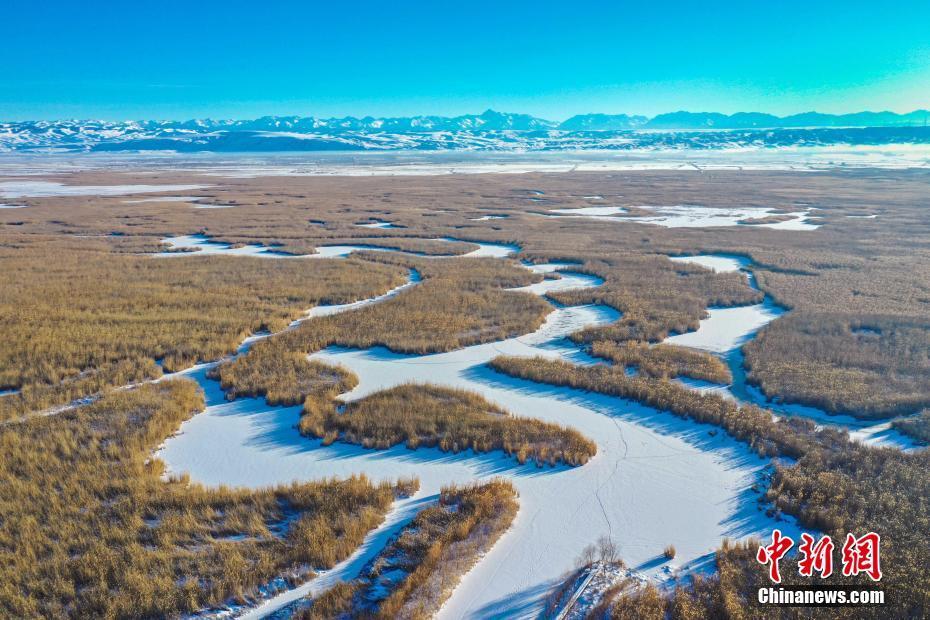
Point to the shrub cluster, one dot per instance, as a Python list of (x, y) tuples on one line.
[(916, 427), (664, 361), (282, 377)]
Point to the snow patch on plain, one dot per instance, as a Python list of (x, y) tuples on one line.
[(692, 216), (718, 263), (378, 224), (47, 189)]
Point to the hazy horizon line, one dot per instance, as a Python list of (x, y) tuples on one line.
[(452, 116)]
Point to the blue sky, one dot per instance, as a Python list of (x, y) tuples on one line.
[(233, 59)]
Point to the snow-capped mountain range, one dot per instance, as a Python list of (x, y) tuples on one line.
[(487, 131)]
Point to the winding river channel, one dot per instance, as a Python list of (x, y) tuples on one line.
[(656, 479)]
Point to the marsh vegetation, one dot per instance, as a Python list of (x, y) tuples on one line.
[(424, 415), (90, 319), (917, 427), (82, 313), (417, 570), (88, 527), (663, 361), (835, 486)]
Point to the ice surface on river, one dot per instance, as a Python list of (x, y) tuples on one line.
[(728, 328), (328, 310), (200, 245)]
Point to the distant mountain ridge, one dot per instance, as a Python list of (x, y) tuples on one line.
[(489, 130), (759, 120)]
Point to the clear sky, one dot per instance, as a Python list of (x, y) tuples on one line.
[(235, 59)]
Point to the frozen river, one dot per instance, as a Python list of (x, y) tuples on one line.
[(649, 465)]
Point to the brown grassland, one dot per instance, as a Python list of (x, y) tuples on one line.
[(89, 529), (282, 377), (423, 415), (80, 312), (433, 552), (89, 319), (849, 273), (663, 361)]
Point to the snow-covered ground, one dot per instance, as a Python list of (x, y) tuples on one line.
[(718, 263), (45, 189), (649, 465), (692, 216), (570, 158), (378, 224)]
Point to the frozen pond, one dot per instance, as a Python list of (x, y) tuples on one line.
[(718, 263), (378, 224), (728, 328), (592, 212), (692, 216), (46, 189), (648, 465)]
